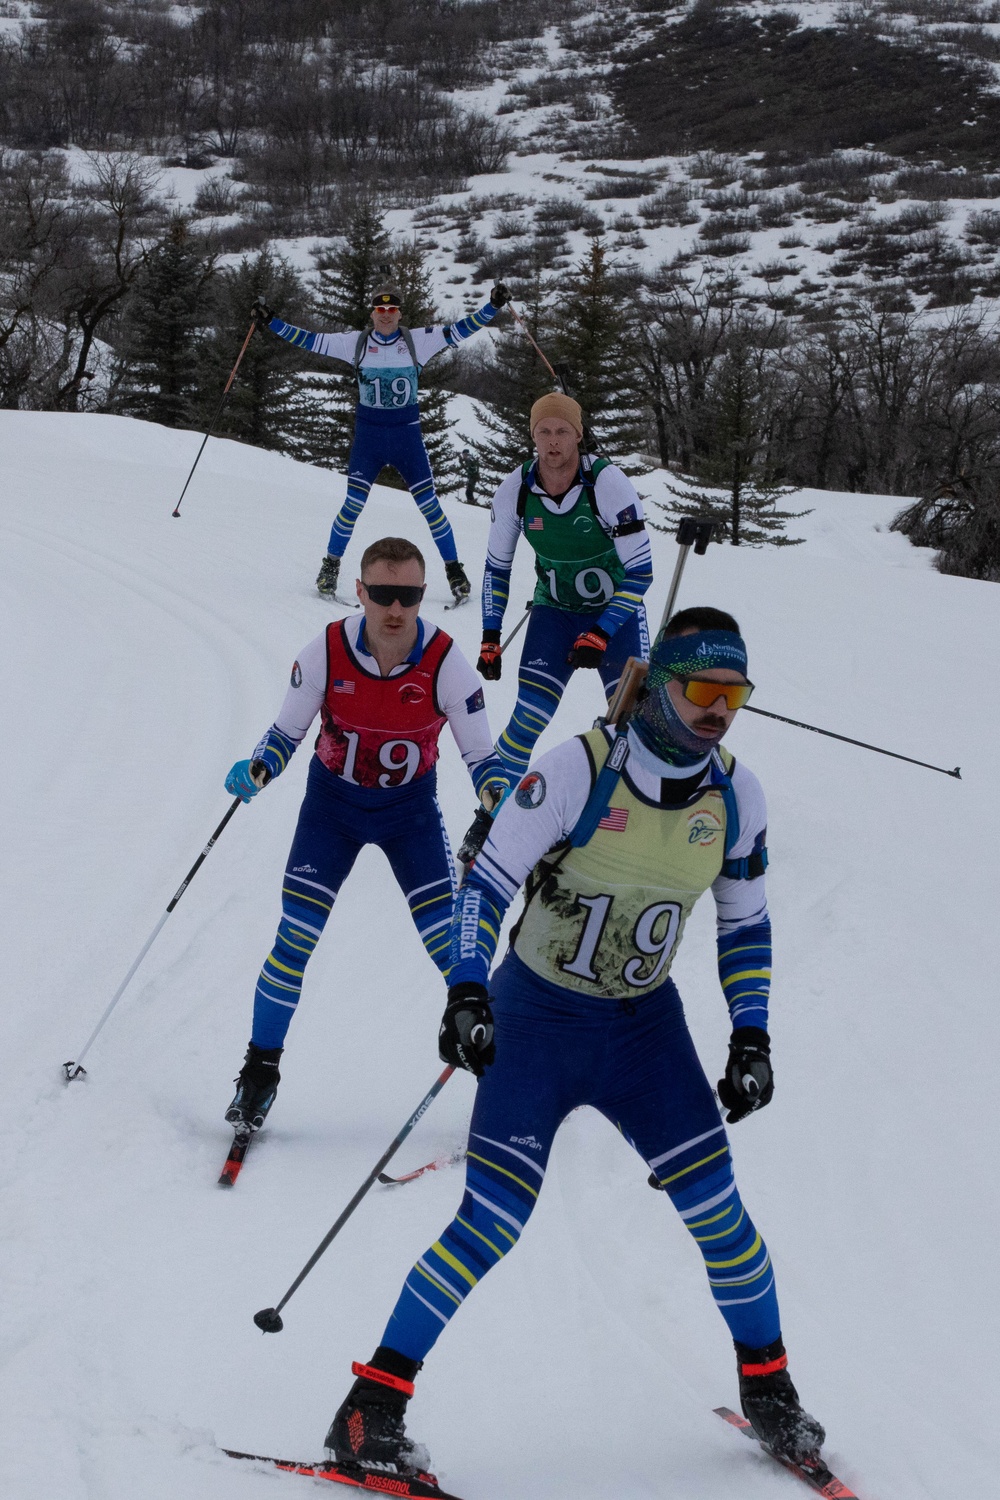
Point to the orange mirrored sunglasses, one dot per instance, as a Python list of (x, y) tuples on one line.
[(704, 693)]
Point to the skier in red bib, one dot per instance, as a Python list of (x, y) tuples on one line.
[(384, 684)]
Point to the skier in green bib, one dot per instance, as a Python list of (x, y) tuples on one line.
[(584, 520)]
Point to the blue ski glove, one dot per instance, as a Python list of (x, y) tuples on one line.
[(247, 778)]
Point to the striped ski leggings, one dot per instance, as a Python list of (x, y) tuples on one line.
[(393, 438), (335, 822), (544, 672), (556, 1050)]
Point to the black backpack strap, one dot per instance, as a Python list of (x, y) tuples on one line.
[(747, 868), (359, 349)]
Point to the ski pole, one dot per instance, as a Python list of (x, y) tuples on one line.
[(268, 1320), (517, 627), (524, 329), (692, 531), (75, 1069), (218, 413), (862, 744)]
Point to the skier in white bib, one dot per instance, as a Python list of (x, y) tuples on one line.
[(387, 359)]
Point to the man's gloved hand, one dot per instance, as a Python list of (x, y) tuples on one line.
[(261, 313), (247, 778), (490, 663), (589, 648), (493, 794), (466, 1036), (749, 1081), (500, 295)]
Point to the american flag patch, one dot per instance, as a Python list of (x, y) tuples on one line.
[(536, 524), (343, 685), (614, 819)]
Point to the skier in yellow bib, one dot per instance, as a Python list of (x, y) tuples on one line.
[(615, 835)]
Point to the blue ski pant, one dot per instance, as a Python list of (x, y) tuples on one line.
[(544, 672), (555, 1050), (335, 822), (390, 438)]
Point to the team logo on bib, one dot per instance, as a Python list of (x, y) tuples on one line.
[(531, 791), (703, 828), (411, 693)]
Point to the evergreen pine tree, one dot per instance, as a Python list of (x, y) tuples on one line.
[(350, 274), (263, 397), (592, 343), (751, 521), (163, 328), (738, 477)]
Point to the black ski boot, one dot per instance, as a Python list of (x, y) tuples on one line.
[(771, 1404), (326, 579), (257, 1085), (460, 585), (368, 1431)]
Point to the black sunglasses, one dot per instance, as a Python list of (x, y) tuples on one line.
[(408, 594)]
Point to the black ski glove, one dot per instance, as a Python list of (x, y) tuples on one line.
[(466, 1036), (589, 648), (261, 313), (490, 663), (500, 295), (749, 1081)]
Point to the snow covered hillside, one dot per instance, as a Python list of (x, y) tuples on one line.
[(141, 657)]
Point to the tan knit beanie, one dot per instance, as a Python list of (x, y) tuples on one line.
[(555, 404)]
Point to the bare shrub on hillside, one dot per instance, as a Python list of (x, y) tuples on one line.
[(983, 228)]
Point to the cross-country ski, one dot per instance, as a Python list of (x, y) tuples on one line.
[(233, 1165), (420, 1487), (450, 1159), (816, 1475)]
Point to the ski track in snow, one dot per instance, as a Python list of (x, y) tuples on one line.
[(142, 656)]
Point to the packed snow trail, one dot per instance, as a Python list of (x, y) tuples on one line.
[(141, 657)]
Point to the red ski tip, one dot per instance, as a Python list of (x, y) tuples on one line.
[(234, 1161), (418, 1487)]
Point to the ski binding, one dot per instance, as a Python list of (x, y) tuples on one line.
[(816, 1475)]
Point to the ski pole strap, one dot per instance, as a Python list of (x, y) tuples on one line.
[(771, 1368), (382, 1377)]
